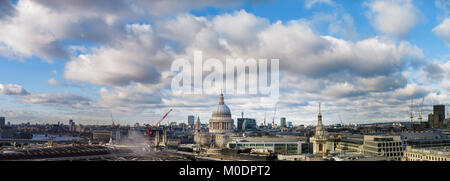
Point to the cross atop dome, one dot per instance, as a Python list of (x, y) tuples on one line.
[(221, 101)]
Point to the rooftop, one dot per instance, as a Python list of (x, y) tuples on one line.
[(445, 151)]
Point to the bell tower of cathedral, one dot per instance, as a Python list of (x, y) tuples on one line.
[(319, 140)]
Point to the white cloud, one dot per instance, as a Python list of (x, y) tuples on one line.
[(23, 35), (131, 60), (443, 4), (327, 67), (443, 30), (135, 58), (12, 89), (6, 9), (393, 17), (244, 30), (134, 96), (65, 98), (310, 3), (54, 82), (411, 91), (301, 50)]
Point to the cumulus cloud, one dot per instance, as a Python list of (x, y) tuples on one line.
[(54, 82), (12, 89), (130, 60), (175, 7), (310, 3), (133, 58), (129, 98), (65, 98), (443, 4), (136, 96), (244, 30), (319, 67), (23, 35), (443, 30), (441, 72), (6, 9), (434, 71), (299, 48), (393, 17), (411, 91)]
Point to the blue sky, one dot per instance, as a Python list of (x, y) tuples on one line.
[(83, 60)]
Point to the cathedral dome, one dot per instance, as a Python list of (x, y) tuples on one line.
[(221, 110), (221, 120)]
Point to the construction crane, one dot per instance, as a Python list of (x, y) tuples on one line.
[(421, 110), (411, 111), (274, 113), (150, 130), (112, 119), (265, 114)]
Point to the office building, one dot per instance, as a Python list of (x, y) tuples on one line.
[(289, 124), (246, 124), (2, 121), (436, 120), (284, 146), (426, 154), (384, 145), (283, 122), (71, 126), (191, 120), (102, 135)]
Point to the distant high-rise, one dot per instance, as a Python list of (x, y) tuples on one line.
[(283, 122), (439, 110), (2, 121), (244, 124), (191, 120), (71, 125), (436, 120)]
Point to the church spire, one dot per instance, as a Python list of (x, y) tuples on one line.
[(319, 117), (198, 124), (319, 109)]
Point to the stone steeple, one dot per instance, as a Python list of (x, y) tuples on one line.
[(198, 124), (320, 132)]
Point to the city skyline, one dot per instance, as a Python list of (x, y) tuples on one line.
[(86, 60)]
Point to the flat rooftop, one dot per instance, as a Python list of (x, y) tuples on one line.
[(269, 139), (445, 151)]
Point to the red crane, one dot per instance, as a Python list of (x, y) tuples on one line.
[(149, 131)]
